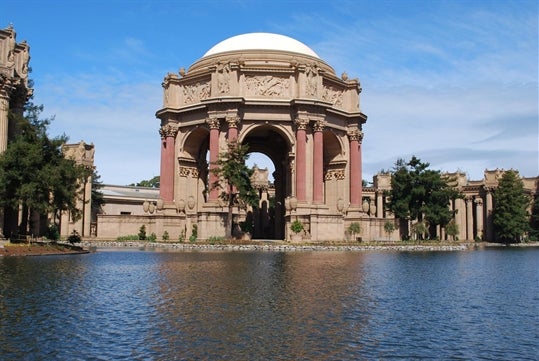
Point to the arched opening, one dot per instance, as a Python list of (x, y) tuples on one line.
[(268, 144)]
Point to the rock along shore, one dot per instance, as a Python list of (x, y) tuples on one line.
[(271, 247)]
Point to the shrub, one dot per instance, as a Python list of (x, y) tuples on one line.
[(52, 232), (165, 236), (296, 226), (142, 233), (74, 237), (194, 233), (152, 237)]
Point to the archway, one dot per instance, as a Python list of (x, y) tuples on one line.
[(269, 218)]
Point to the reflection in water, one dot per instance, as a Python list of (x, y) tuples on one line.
[(262, 304), (132, 305)]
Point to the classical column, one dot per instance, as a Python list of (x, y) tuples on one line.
[(479, 216), (232, 122), (469, 218), (488, 214), (318, 163), (460, 217), (213, 123), (301, 162), (379, 204), (356, 186), (4, 108), (166, 187)]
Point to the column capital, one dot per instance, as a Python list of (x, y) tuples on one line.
[(301, 122), (319, 125), (213, 123), (355, 134), (168, 130), (232, 121), (478, 201)]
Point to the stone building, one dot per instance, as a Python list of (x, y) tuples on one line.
[(14, 92), (278, 96)]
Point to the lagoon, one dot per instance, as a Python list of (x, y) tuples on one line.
[(261, 305)]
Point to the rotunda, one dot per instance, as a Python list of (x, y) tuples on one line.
[(276, 95)]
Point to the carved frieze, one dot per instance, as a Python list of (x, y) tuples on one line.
[(267, 85), (333, 95), (196, 92), (311, 85), (188, 171), (223, 78), (334, 174)]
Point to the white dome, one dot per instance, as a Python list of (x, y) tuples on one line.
[(261, 41)]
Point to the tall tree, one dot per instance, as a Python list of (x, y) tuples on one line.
[(420, 194), (509, 216), (34, 175), (534, 219), (152, 183), (234, 180)]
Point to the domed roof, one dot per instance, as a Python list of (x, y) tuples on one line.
[(261, 41)]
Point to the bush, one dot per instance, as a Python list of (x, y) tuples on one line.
[(52, 233), (152, 237), (131, 237), (142, 233), (74, 237), (194, 233), (165, 236), (354, 228), (296, 226)]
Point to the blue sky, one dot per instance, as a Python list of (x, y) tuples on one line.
[(452, 82)]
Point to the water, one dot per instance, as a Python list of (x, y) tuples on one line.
[(135, 305)]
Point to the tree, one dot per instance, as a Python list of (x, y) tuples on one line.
[(509, 216), (420, 194), (151, 183), (234, 180), (34, 174), (534, 219)]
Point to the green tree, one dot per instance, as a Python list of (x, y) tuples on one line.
[(151, 183), (97, 196), (420, 194), (234, 180), (509, 216), (34, 174), (534, 219)]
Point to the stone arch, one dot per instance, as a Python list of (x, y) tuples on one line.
[(275, 142), (334, 169), (193, 167)]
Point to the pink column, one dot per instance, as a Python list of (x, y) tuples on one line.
[(318, 164), (301, 163), (356, 186), (166, 182), (214, 156), (232, 128)]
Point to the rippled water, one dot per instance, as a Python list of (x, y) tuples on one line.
[(135, 305)]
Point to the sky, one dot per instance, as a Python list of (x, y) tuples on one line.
[(454, 83)]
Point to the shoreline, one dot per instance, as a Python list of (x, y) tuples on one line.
[(89, 246), (284, 247)]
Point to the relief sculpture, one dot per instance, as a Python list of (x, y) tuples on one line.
[(333, 96), (194, 93), (267, 85)]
